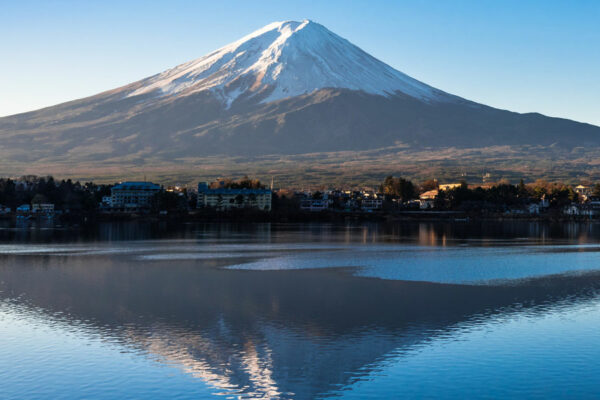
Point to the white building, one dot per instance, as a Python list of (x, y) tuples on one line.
[(371, 204), (42, 208), (132, 196), (226, 198), (314, 204)]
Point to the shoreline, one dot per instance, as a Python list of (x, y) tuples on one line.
[(256, 216)]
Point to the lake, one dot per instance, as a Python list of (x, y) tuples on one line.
[(300, 311)]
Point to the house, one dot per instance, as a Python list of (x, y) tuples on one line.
[(314, 204), (571, 209), (427, 199), (533, 208), (371, 204), (429, 195), (585, 209), (410, 204), (23, 209), (594, 202), (449, 186), (592, 206), (223, 198), (176, 189), (515, 211), (584, 191), (106, 202), (42, 208), (133, 196)]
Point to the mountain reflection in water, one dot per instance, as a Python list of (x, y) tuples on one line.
[(275, 333)]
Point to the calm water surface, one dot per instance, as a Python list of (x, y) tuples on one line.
[(463, 310)]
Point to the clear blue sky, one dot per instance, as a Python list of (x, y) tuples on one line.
[(520, 55)]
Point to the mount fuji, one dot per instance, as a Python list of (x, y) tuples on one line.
[(286, 59), (288, 89)]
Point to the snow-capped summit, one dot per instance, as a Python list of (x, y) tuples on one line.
[(286, 59)]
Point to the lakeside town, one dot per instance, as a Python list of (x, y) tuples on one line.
[(33, 197)]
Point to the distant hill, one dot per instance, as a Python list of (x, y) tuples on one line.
[(286, 90)]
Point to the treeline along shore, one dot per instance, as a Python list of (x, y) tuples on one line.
[(249, 200)]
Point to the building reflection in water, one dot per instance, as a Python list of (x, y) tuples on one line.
[(424, 232)]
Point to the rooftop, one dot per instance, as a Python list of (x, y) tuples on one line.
[(202, 188), (137, 186)]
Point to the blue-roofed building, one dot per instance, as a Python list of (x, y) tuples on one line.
[(225, 198), (133, 196)]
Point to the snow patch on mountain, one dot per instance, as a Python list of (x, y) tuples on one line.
[(287, 59)]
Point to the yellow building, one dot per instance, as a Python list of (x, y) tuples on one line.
[(449, 186)]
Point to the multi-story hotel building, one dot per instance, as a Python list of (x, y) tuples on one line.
[(226, 198), (129, 196)]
